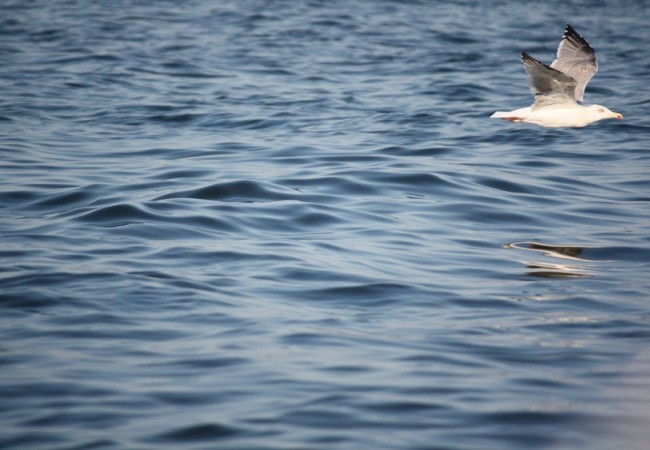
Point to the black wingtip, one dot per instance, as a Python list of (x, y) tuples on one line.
[(529, 61), (525, 57), (570, 34), (569, 31)]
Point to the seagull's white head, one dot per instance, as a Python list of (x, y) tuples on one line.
[(599, 112)]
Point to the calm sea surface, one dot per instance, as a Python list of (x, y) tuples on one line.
[(273, 225)]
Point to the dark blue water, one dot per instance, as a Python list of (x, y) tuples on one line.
[(292, 225)]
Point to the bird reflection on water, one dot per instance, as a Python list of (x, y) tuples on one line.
[(545, 269)]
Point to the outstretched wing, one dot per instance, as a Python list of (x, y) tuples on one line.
[(548, 85), (576, 58)]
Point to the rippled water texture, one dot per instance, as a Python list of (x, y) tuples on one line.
[(292, 225)]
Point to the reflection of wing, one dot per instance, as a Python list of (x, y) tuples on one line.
[(577, 59), (550, 86)]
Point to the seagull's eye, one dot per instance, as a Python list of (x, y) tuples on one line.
[(601, 109)]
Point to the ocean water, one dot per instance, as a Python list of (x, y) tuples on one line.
[(248, 224)]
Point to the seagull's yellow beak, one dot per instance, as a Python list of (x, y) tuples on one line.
[(616, 115)]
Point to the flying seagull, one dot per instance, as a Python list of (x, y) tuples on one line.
[(559, 87)]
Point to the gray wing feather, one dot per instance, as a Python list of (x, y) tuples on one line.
[(577, 59), (548, 85)]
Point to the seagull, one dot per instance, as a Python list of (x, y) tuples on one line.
[(559, 87)]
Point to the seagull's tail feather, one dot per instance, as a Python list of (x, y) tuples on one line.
[(506, 115)]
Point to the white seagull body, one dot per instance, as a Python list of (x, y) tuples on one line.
[(559, 87)]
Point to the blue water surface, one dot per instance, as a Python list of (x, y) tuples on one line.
[(270, 225)]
